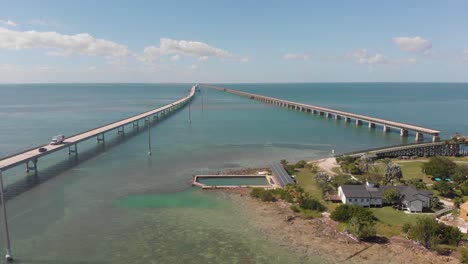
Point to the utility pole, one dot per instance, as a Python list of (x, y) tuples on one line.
[(189, 113), (149, 138), (8, 255)]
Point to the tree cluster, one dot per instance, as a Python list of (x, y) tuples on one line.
[(360, 221), (444, 168), (429, 233)]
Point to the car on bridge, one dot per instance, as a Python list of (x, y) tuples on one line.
[(41, 150)]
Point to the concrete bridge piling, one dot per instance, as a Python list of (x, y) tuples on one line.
[(387, 125)]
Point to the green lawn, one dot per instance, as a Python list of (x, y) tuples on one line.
[(306, 180), (412, 170), (391, 216), (391, 220)]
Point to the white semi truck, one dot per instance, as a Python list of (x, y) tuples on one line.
[(56, 140)]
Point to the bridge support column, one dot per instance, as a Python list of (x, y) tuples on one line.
[(347, 119), (135, 124), (33, 166), (337, 117), (371, 125), (120, 130), (386, 129), (358, 122), (403, 132), (100, 138), (73, 150), (419, 136), (314, 111), (435, 138), (329, 115)]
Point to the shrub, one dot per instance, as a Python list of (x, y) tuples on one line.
[(361, 228), (430, 233), (443, 249), (310, 214), (312, 167), (464, 189), (342, 179), (406, 227), (344, 212), (267, 196), (417, 183), (295, 208), (353, 169), (301, 164), (445, 189), (464, 255), (291, 169), (457, 201), (307, 202), (257, 192), (264, 195)]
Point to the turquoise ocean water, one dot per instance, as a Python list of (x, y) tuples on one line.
[(117, 205)]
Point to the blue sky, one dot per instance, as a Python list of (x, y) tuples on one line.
[(233, 41)]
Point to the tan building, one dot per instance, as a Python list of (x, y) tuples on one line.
[(464, 211)]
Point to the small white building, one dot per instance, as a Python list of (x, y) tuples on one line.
[(369, 195), (365, 195)]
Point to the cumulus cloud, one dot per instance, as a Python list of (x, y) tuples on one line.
[(8, 23), (193, 67), (60, 44), (296, 56), (363, 56), (415, 44), (175, 57), (203, 59), (188, 48)]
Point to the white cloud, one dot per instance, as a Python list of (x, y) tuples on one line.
[(203, 59), (193, 67), (175, 57), (188, 48), (60, 44), (296, 56), (92, 68), (365, 57), (416, 44), (8, 23)]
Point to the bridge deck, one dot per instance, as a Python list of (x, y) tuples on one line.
[(369, 119), (33, 153)]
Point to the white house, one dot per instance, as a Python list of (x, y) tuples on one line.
[(369, 195)]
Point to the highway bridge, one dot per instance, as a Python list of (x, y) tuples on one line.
[(387, 125), (30, 157)]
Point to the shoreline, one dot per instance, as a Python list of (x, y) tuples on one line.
[(320, 236)]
